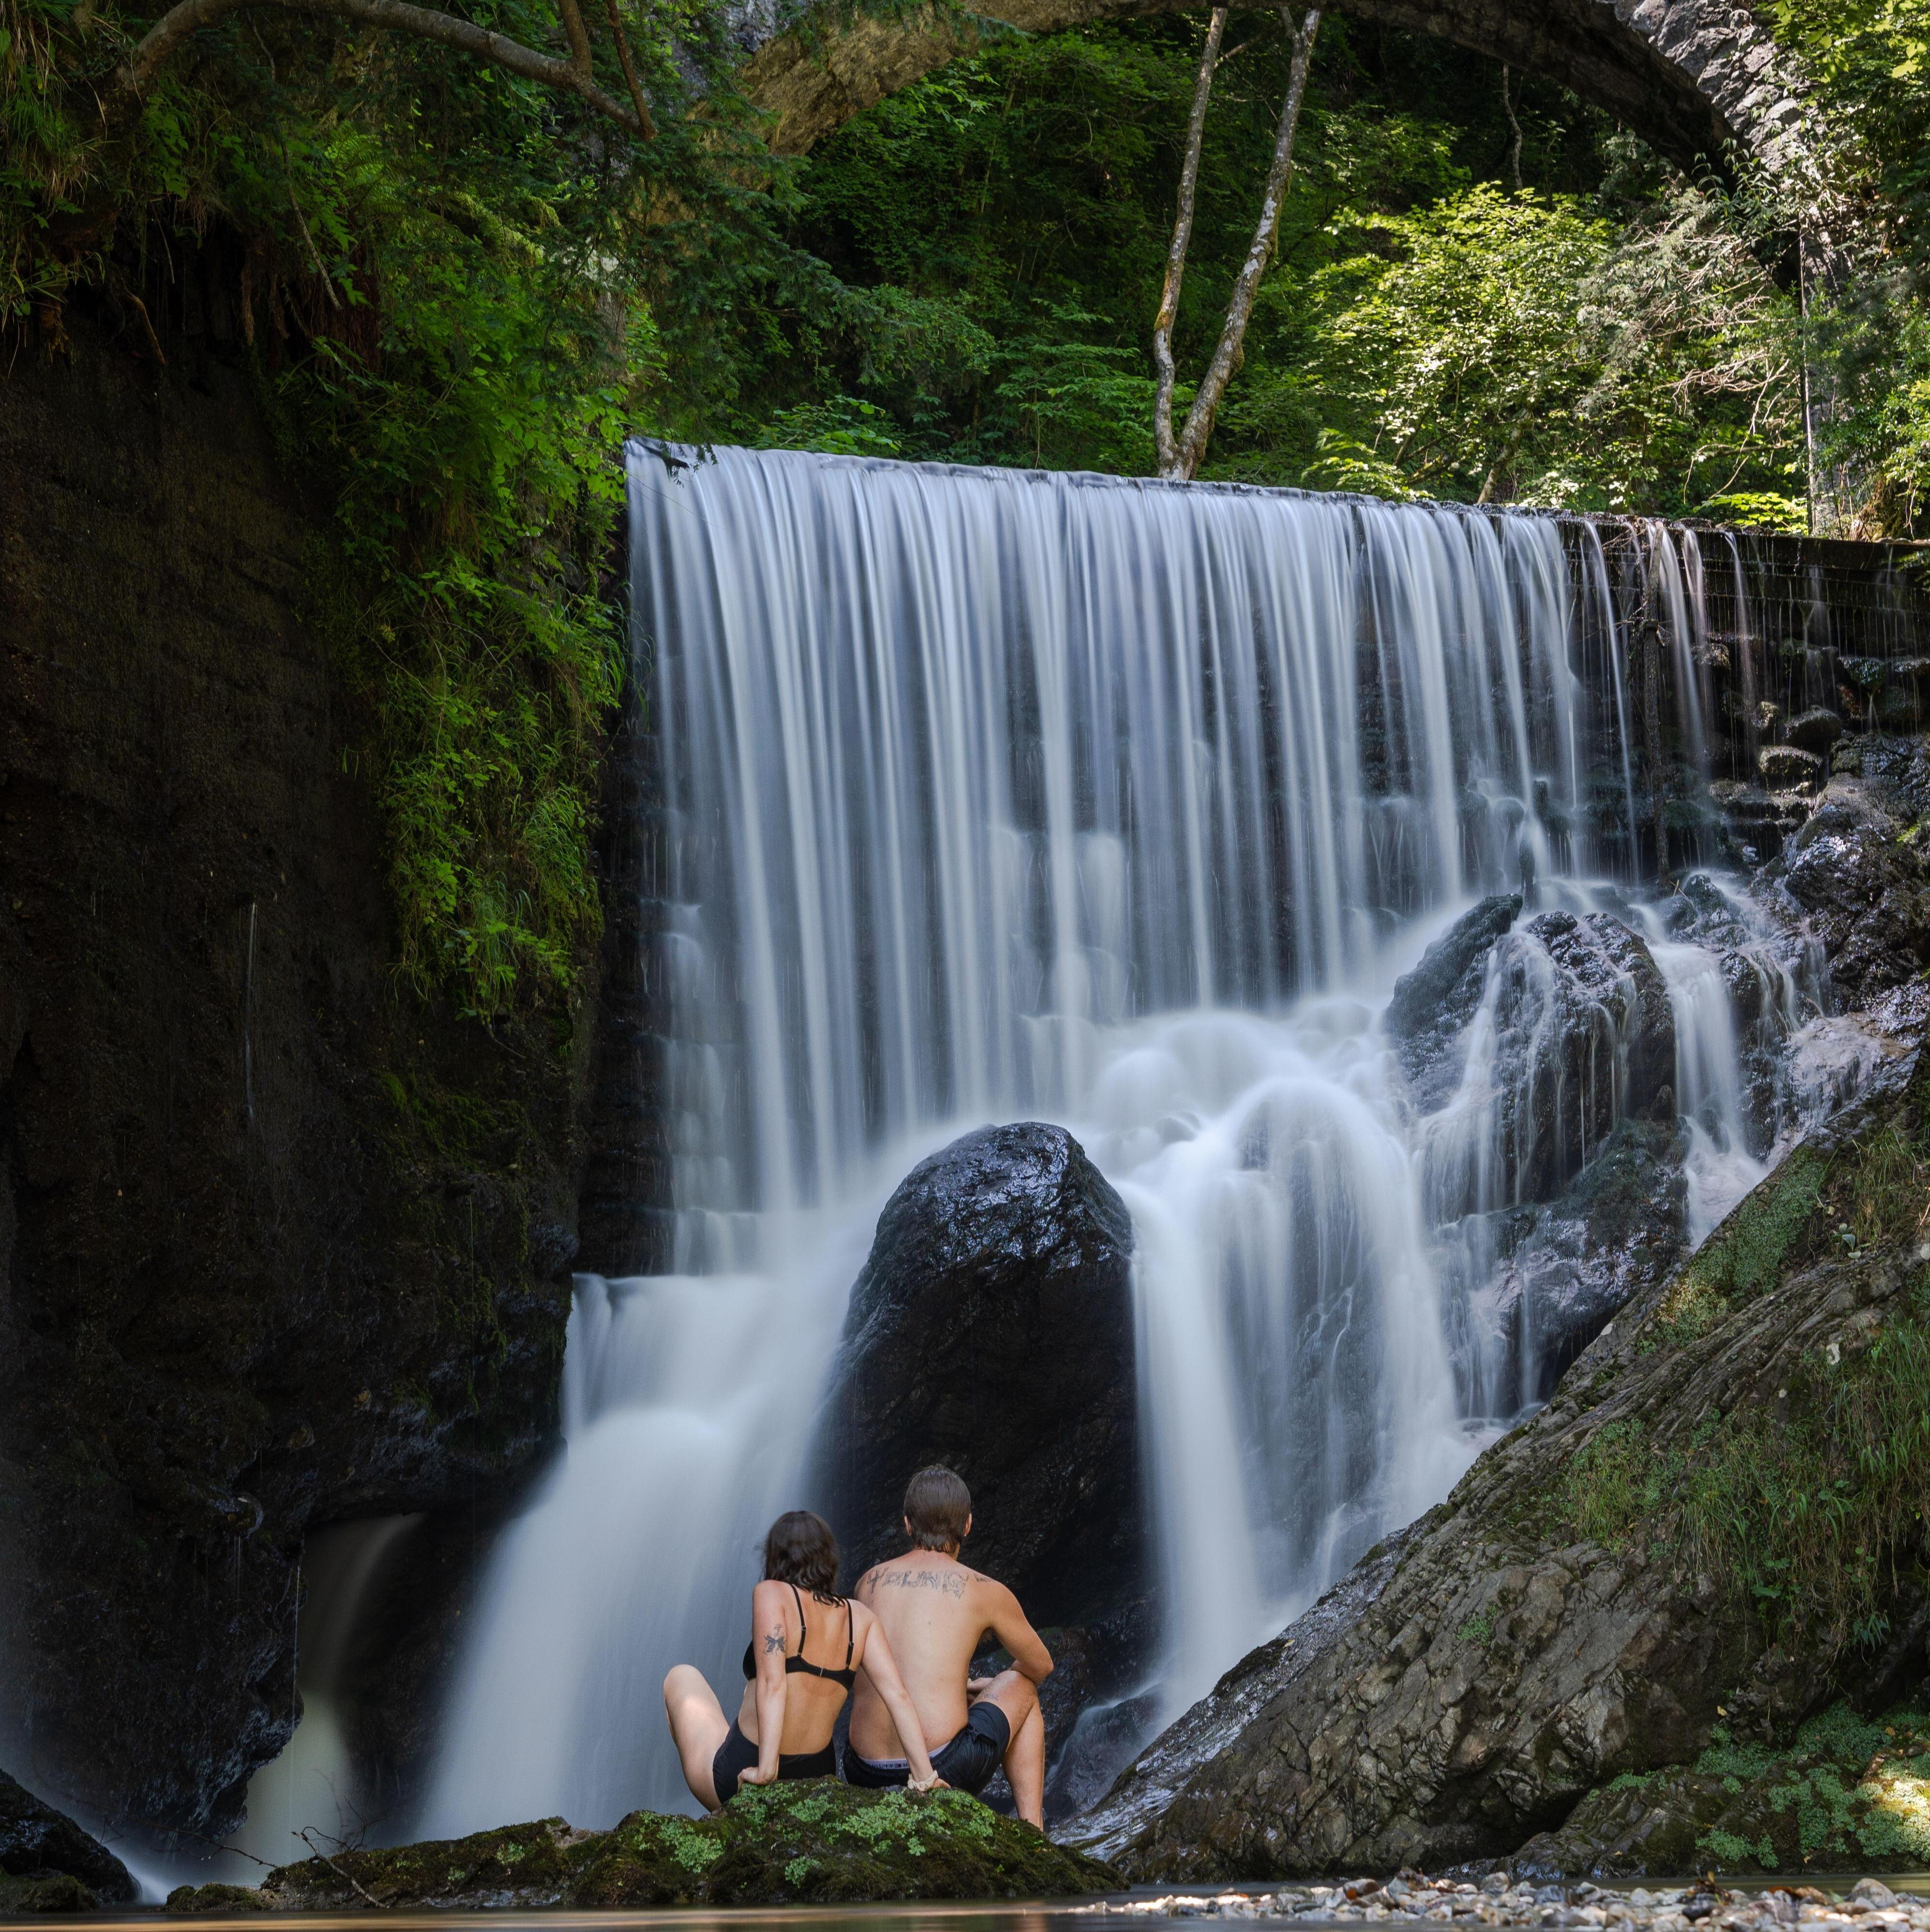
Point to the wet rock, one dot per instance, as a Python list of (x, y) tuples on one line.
[(1428, 1014), (816, 1841), (1565, 1269), (992, 1331), (1815, 730), (1788, 768), (1863, 886), (1583, 1036), (1551, 1630), (38, 1843)]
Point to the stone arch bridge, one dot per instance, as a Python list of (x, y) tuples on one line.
[(1699, 80)]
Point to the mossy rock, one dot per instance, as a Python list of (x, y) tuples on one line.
[(189, 1898), (814, 1842), (44, 1892), (1848, 1794)]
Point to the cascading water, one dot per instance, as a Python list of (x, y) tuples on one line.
[(989, 794)]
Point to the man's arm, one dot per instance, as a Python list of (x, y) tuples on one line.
[(1009, 1625)]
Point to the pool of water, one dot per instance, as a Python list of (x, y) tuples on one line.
[(1047, 1915)]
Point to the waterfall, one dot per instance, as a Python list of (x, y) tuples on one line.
[(983, 795)]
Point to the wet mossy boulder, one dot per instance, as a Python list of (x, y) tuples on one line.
[(1848, 1794), (816, 1841), (44, 1892), (49, 1864)]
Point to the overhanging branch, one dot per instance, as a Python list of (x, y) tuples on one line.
[(567, 76)]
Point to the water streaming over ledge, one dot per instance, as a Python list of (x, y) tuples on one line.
[(987, 795)]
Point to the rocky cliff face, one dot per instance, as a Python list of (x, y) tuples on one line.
[(279, 1245), (1716, 1522)]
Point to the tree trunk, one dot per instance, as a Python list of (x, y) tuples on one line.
[(1176, 255), (1199, 430)]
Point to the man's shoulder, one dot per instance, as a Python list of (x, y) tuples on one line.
[(920, 1570)]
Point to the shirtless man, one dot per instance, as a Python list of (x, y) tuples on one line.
[(934, 1610)]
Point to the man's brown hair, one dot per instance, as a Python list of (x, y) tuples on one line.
[(938, 1506)]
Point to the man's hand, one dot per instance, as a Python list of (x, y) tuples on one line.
[(977, 1687)]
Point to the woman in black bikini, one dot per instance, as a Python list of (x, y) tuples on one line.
[(783, 1728)]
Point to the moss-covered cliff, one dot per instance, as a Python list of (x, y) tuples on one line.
[(280, 1242)]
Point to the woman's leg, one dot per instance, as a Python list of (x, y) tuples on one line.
[(698, 1725)]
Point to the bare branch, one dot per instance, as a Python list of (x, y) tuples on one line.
[(569, 77), (576, 34), (637, 100), (1175, 257), (1199, 428)]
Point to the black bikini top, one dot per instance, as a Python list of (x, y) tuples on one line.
[(847, 1676)]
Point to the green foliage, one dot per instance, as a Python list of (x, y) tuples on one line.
[(1607, 338), (1867, 60), (457, 293), (1845, 1793)]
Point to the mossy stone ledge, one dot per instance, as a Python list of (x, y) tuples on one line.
[(1848, 1793), (816, 1841)]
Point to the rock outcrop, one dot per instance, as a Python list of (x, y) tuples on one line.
[(1426, 1018), (1845, 1794), (1863, 888), (280, 1243), (1618, 1577), (49, 1864), (992, 1330), (816, 1842)]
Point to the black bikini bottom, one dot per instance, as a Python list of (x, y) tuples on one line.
[(738, 1754)]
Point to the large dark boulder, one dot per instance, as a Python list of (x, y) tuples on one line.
[(992, 1330), (37, 1842), (1590, 1602)]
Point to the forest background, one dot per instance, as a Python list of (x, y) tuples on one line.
[(457, 289)]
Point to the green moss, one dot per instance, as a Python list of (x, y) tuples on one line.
[(1846, 1793), (1477, 1629), (57, 1892), (814, 1841), (197, 1898)]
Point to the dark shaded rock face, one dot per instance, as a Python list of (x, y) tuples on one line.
[(36, 1842), (278, 1245), (1577, 1052), (1551, 1627), (1426, 1018), (1864, 890), (992, 1331), (814, 1842), (1563, 1269)]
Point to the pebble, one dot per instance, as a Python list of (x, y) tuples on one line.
[(1870, 1905)]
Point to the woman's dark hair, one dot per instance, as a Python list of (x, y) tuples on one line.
[(801, 1549)]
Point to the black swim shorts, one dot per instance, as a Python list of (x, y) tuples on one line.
[(965, 1764)]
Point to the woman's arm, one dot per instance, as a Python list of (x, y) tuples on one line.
[(767, 1635), (873, 1654)]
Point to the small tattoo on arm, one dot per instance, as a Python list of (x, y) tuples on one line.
[(773, 1643)]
